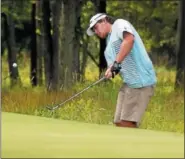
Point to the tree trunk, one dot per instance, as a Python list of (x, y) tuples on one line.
[(181, 47), (76, 60), (4, 27), (69, 55), (48, 52), (101, 8), (84, 39), (39, 41), (56, 10), (154, 3), (33, 48), (12, 59)]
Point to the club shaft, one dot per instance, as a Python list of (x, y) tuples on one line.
[(59, 105)]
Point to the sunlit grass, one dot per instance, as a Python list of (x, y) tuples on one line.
[(96, 105), (37, 137)]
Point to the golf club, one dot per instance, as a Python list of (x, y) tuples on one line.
[(59, 105)]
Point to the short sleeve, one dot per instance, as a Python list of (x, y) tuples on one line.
[(121, 26)]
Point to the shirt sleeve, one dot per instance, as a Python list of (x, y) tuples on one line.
[(122, 26)]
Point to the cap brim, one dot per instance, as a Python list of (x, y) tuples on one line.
[(90, 32)]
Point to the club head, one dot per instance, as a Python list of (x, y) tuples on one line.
[(50, 108)]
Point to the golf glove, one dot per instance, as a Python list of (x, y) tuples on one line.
[(115, 69)]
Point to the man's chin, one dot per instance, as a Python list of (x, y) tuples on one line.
[(103, 36)]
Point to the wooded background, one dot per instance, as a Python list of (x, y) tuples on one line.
[(53, 35)]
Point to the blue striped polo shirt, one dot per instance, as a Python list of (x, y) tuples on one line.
[(137, 69)]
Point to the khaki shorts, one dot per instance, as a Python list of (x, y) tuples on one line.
[(132, 102)]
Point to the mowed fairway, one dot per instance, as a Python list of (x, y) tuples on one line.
[(26, 136)]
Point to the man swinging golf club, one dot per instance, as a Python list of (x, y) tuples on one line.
[(125, 54)]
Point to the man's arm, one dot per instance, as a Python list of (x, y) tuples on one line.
[(125, 47)]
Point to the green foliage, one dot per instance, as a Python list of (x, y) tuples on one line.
[(21, 10), (88, 10), (155, 24)]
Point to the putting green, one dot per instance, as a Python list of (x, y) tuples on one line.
[(25, 136)]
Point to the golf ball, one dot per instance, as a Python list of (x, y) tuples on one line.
[(14, 65)]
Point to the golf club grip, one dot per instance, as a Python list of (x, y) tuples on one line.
[(59, 105)]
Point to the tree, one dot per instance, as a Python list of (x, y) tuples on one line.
[(56, 11), (4, 26), (47, 38), (180, 47), (100, 6), (40, 43), (33, 57), (69, 42), (10, 38), (22, 23), (88, 49)]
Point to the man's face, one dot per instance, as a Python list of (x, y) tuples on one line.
[(100, 29)]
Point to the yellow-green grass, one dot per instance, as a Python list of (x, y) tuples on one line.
[(26, 136), (96, 105)]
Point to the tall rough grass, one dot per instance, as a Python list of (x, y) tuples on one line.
[(97, 105)]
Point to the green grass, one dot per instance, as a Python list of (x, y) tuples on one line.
[(97, 105), (26, 136)]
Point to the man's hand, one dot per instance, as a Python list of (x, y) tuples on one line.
[(108, 72), (113, 70)]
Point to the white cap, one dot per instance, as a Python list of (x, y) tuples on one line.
[(93, 21)]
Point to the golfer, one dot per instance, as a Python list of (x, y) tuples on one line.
[(126, 55)]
